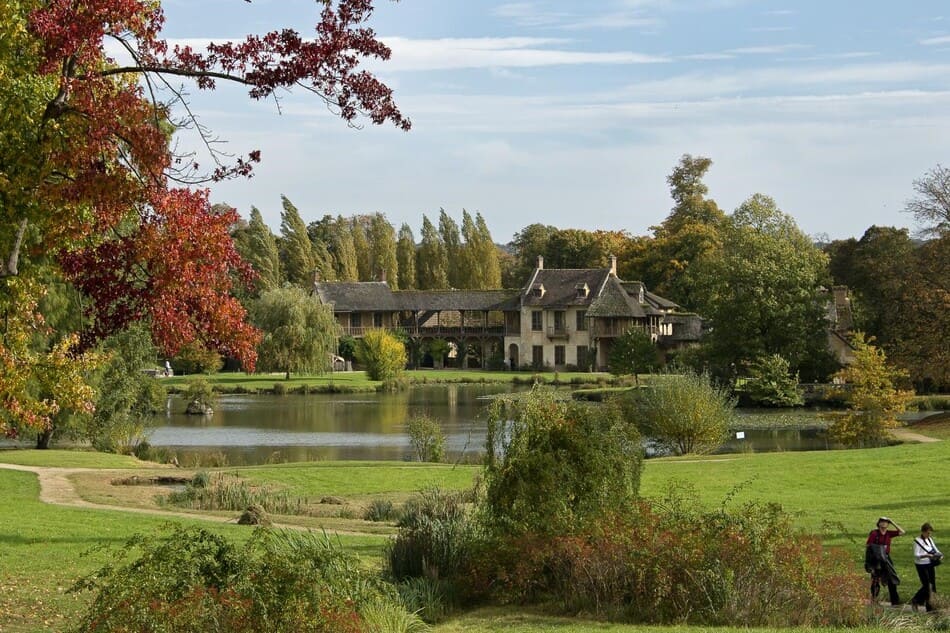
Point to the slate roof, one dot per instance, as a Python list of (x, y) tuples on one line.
[(560, 287), (377, 296), (356, 296), (621, 299)]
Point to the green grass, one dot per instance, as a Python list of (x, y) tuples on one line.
[(356, 381), (69, 459), (360, 478), (837, 494)]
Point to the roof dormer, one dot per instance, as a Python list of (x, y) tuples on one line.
[(537, 290), (581, 291)]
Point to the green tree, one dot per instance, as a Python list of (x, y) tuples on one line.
[(874, 397), (452, 243), (480, 269), (771, 383), (258, 247), (633, 353), (343, 250), (528, 244), (296, 250), (382, 247), (300, 334), (685, 413), (690, 232), (556, 466), (574, 248), (406, 258), (127, 397), (364, 262), (382, 355), (431, 259), (762, 292), (426, 438), (921, 343)]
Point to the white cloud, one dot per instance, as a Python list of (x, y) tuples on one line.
[(767, 50), (935, 41), (511, 52)]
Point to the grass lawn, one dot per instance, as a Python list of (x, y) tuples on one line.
[(356, 381), (838, 494)]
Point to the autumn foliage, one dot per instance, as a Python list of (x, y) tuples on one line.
[(89, 178)]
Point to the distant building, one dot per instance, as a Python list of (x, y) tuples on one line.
[(561, 319)]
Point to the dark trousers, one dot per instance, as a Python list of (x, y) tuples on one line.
[(891, 588), (928, 585)]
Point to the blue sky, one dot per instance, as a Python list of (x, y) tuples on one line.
[(573, 113)]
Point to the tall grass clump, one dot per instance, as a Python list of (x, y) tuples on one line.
[(435, 534), (224, 491), (193, 581)]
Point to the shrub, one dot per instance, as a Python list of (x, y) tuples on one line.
[(771, 384), (674, 561), (195, 359), (873, 396), (434, 538), (196, 581), (685, 413), (381, 354), (198, 393), (279, 389), (425, 596), (554, 465), (633, 353), (380, 510), (426, 438)]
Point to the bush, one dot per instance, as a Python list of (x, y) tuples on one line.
[(426, 438), (684, 413), (633, 353), (554, 465), (195, 581), (380, 510), (435, 535), (194, 359), (674, 561), (771, 384), (381, 354), (199, 394)]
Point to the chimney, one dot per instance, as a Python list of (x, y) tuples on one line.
[(382, 275), (540, 262), (613, 265)]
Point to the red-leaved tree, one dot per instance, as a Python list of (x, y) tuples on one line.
[(87, 171)]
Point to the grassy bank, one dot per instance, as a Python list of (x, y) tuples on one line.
[(837, 494), (356, 381)]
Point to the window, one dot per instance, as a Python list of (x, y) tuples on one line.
[(582, 320), (559, 355), (537, 356), (377, 319), (355, 320), (560, 324), (537, 321)]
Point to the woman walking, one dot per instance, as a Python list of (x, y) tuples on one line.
[(926, 559)]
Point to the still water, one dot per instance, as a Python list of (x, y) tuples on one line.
[(252, 429)]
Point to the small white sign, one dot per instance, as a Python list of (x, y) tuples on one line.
[(740, 435)]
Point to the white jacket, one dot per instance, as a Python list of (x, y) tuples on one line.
[(922, 547)]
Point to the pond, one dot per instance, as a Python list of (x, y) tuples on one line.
[(256, 429)]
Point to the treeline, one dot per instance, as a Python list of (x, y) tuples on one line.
[(760, 283)]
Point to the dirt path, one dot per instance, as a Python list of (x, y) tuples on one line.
[(906, 435), (57, 489)]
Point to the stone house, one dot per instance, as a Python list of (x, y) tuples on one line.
[(561, 319)]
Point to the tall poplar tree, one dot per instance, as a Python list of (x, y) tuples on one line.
[(296, 250), (406, 258), (431, 261), (452, 242), (382, 247), (258, 246), (364, 266)]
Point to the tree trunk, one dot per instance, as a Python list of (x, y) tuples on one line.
[(43, 439)]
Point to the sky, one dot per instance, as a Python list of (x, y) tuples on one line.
[(573, 113)]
